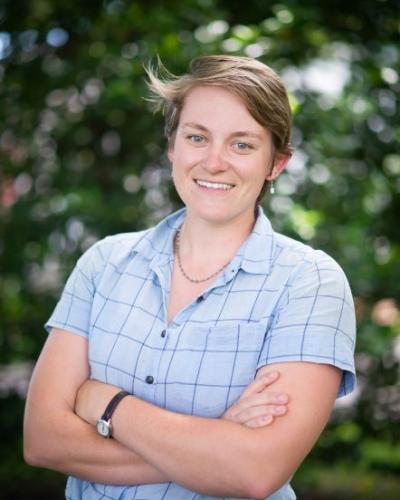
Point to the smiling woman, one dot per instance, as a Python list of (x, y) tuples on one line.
[(209, 348), (218, 168)]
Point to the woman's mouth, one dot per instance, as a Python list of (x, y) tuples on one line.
[(214, 185)]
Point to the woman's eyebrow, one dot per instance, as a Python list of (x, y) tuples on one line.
[(246, 133), (239, 133), (195, 125)]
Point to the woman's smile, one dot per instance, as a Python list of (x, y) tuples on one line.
[(213, 185)]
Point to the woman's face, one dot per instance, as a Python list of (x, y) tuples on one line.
[(221, 157)]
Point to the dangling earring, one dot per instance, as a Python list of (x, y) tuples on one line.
[(272, 188)]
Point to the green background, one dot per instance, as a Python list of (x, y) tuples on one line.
[(81, 157)]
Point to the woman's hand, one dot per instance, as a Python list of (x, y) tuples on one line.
[(258, 405), (92, 399)]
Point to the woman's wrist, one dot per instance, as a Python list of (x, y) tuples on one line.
[(92, 400)]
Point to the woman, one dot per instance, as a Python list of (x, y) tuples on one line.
[(185, 316)]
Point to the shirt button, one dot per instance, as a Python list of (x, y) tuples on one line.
[(163, 333), (149, 379)]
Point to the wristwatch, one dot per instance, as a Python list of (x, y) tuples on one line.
[(103, 424)]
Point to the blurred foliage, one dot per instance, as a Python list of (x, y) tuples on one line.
[(81, 157)]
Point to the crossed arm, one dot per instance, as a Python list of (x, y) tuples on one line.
[(212, 456), (56, 438)]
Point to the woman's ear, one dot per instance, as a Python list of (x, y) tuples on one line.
[(280, 163), (171, 147), (170, 152)]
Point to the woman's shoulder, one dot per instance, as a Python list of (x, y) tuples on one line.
[(291, 252), (122, 247), (111, 249), (122, 241)]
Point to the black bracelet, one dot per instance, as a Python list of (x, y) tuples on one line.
[(113, 404)]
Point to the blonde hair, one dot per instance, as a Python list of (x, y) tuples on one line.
[(260, 88)]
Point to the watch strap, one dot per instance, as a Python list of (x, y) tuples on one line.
[(113, 404)]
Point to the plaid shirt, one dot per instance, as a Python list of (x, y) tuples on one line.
[(278, 300)]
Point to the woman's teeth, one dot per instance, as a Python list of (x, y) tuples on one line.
[(214, 185)]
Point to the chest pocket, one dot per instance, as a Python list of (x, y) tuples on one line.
[(212, 366)]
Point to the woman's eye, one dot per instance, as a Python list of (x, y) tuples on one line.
[(243, 146), (195, 138)]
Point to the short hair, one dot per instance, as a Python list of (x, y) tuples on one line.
[(256, 84), (259, 87)]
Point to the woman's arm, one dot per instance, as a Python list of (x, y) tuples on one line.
[(56, 438), (218, 457)]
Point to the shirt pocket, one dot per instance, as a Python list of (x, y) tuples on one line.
[(225, 364)]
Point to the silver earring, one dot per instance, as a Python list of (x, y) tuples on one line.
[(272, 188)]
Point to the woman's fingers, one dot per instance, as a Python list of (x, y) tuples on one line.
[(257, 412), (260, 421), (260, 383), (260, 399), (263, 417), (266, 397), (258, 405)]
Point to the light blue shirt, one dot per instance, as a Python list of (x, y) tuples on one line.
[(278, 300)]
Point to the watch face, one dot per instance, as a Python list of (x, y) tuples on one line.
[(103, 428)]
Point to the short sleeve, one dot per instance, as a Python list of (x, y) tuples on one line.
[(315, 320), (73, 310)]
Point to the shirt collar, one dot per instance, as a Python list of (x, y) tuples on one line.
[(157, 243), (254, 256)]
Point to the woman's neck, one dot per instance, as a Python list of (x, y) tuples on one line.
[(205, 245)]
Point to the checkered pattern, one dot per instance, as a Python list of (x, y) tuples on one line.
[(278, 300)]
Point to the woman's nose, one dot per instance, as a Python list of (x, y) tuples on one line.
[(215, 160)]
